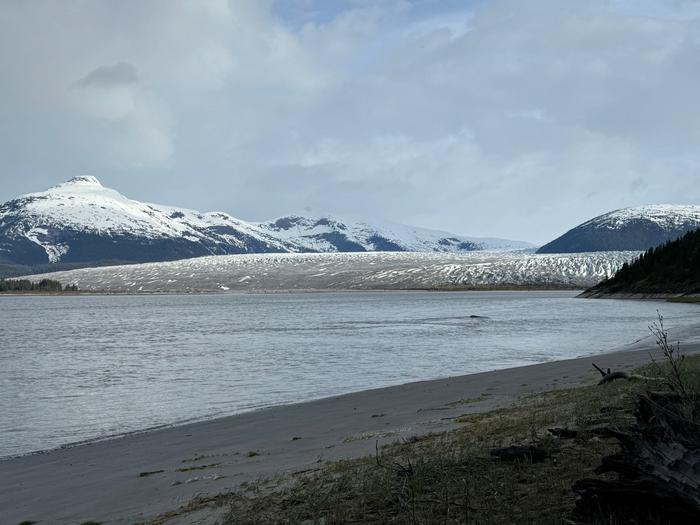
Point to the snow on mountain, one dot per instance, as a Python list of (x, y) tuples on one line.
[(667, 216), (351, 271), (334, 234), (637, 228), (82, 222)]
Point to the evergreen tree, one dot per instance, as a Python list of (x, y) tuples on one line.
[(25, 285), (673, 267)]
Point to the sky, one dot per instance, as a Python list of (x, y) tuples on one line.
[(503, 118)]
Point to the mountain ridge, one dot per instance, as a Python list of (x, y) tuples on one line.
[(635, 228), (83, 222)]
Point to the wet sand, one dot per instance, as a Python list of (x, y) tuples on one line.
[(137, 477)]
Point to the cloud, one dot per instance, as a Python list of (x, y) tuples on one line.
[(502, 118), (138, 120), (119, 73)]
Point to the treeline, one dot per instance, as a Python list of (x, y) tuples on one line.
[(25, 285), (673, 267)]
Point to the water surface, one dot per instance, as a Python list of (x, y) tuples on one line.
[(82, 367)]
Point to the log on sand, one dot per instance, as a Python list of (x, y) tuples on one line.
[(656, 475)]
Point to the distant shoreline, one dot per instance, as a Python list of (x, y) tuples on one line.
[(671, 297), (514, 288), (40, 293), (584, 294)]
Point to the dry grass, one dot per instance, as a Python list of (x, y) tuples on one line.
[(451, 477)]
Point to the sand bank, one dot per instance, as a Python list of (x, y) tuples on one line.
[(137, 477)]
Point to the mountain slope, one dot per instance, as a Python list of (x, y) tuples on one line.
[(673, 268), (334, 234), (82, 222), (634, 229)]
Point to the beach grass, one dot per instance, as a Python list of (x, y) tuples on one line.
[(452, 477)]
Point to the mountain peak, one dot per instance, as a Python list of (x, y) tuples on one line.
[(652, 212), (636, 228), (81, 221), (83, 180)]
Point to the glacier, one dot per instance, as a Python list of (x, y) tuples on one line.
[(350, 271)]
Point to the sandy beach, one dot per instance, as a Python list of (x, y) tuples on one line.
[(138, 477)]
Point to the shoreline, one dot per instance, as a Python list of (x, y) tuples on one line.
[(210, 418), (637, 296), (274, 291), (583, 292), (136, 477), (206, 417)]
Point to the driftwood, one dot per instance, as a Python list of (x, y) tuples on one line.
[(657, 469), (531, 453), (609, 375)]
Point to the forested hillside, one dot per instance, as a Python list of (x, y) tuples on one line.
[(673, 267)]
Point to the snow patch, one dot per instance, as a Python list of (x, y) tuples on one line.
[(53, 251), (667, 216)]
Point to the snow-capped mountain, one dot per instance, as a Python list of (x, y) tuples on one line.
[(334, 234), (637, 228), (82, 222)]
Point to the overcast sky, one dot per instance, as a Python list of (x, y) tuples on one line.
[(502, 118)]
